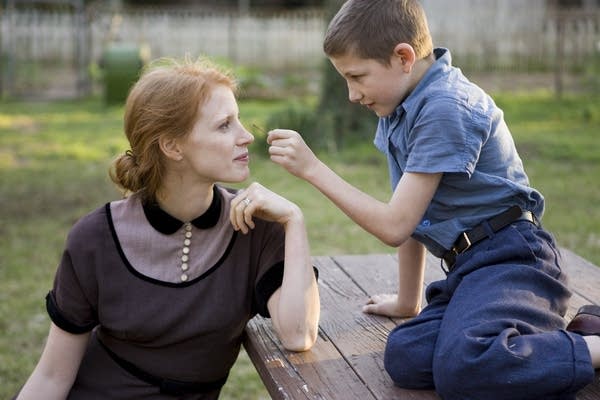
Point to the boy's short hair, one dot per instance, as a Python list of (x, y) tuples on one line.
[(371, 29)]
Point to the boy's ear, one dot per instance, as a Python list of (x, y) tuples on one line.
[(170, 148), (405, 53)]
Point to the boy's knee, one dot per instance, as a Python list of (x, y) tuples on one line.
[(408, 365), (459, 373)]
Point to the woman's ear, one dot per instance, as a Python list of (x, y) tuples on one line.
[(405, 54), (170, 148)]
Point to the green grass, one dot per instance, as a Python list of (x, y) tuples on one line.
[(560, 147), (53, 163)]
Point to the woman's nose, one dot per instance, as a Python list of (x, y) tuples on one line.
[(246, 137)]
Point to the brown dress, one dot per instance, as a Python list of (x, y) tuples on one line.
[(124, 274)]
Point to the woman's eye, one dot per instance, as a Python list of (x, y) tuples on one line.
[(224, 126)]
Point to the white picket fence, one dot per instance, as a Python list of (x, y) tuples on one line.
[(282, 40), (482, 34)]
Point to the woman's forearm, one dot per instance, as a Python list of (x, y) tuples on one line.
[(57, 368), (297, 304)]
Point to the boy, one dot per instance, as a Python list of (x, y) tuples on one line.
[(494, 328)]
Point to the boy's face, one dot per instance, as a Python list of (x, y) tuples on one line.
[(378, 87)]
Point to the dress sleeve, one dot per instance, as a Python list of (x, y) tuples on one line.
[(69, 303), (270, 268), (268, 284)]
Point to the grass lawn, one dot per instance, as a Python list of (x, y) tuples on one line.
[(53, 163)]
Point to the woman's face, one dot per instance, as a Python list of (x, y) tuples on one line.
[(217, 148)]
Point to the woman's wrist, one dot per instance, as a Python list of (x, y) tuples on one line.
[(294, 217)]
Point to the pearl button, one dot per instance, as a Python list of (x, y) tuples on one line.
[(186, 250)]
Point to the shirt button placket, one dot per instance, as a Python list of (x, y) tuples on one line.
[(185, 257)]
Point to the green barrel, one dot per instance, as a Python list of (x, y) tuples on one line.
[(121, 63)]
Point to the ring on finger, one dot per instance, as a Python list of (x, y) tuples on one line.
[(247, 201)]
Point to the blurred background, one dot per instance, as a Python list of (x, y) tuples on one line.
[(62, 48)]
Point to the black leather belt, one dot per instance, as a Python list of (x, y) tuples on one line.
[(480, 232), (167, 386)]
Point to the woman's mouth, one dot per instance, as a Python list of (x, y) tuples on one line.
[(242, 158)]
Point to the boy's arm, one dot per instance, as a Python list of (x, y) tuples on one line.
[(411, 270), (392, 222)]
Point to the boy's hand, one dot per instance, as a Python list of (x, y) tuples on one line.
[(387, 305), (288, 149)]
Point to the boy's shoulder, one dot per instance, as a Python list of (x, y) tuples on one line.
[(448, 92)]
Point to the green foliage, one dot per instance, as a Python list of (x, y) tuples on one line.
[(591, 74), (301, 118), (341, 122), (250, 80)]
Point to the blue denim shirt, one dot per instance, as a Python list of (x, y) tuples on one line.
[(450, 125)]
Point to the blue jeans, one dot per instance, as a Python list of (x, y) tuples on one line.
[(494, 328)]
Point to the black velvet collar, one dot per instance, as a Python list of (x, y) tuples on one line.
[(167, 224)]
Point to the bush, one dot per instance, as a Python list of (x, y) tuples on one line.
[(302, 118)]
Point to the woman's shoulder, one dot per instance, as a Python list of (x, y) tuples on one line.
[(89, 226)]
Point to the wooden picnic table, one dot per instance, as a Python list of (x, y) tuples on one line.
[(346, 362)]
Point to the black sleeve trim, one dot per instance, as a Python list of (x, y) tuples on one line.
[(268, 284), (62, 322)]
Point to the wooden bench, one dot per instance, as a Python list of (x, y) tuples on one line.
[(346, 362)]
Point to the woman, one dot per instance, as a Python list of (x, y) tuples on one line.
[(153, 292)]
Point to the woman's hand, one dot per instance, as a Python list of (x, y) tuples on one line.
[(258, 201)]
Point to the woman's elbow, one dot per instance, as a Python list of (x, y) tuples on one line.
[(300, 341)]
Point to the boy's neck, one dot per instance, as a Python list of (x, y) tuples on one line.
[(420, 68)]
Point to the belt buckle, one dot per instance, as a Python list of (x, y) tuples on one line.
[(465, 237)]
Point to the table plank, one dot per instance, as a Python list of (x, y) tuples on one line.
[(314, 374), (359, 337), (584, 276), (346, 362)]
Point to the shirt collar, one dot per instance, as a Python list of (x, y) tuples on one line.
[(167, 224), (443, 60)]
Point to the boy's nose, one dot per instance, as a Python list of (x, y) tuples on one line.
[(353, 95)]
